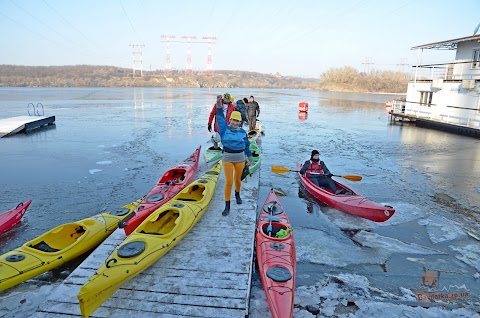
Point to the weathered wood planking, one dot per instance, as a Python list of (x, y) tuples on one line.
[(206, 275)]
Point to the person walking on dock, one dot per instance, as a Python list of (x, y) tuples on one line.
[(235, 148), (228, 108), (253, 111)]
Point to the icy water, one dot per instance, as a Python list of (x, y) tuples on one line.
[(110, 145)]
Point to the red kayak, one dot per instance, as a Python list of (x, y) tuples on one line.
[(349, 202), (276, 257), (171, 183), (12, 217)]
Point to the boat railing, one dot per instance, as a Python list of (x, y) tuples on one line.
[(453, 71), (35, 109), (430, 111)]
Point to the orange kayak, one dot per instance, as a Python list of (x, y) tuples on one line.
[(276, 257)]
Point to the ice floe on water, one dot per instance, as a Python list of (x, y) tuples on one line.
[(392, 245), (92, 171), (348, 295), (333, 249), (469, 254), (404, 212), (440, 229), (347, 221), (105, 162)]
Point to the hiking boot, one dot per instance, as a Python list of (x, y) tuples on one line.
[(227, 208), (237, 197)]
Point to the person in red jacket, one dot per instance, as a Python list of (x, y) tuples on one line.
[(228, 108), (317, 172)]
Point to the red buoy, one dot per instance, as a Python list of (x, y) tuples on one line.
[(303, 107)]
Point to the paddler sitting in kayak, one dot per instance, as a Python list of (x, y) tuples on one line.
[(317, 172)]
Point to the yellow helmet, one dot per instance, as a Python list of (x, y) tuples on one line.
[(232, 98), (236, 115)]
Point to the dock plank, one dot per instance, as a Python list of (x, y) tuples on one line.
[(206, 275)]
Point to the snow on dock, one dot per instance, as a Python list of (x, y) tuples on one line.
[(207, 274)]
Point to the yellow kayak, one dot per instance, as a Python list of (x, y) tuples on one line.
[(161, 231), (58, 246)]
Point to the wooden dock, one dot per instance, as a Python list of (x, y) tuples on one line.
[(13, 125), (207, 274)]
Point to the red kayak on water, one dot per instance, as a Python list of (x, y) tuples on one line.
[(276, 257), (349, 201), (169, 185), (13, 217)]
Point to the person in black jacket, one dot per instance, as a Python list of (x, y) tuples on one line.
[(317, 172)]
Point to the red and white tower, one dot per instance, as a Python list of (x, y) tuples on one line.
[(189, 38), (210, 40), (168, 65)]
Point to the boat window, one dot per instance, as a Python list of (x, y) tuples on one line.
[(426, 98), (476, 59)]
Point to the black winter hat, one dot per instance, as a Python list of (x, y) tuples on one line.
[(245, 100), (314, 152)]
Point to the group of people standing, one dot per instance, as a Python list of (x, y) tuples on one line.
[(228, 127)]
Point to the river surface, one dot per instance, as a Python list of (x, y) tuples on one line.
[(110, 145)]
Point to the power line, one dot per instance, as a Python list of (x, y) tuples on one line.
[(366, 64), (81, 33), (43, 23), (133, 28), (332, 19), (38, 34)]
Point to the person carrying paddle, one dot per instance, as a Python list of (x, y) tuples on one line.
[(228, 108), (235, 148), (317, 172)]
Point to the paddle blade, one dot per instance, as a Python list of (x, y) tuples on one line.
[(280, 169), (353, 178)]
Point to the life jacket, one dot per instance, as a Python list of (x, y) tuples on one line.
[(314, 167)]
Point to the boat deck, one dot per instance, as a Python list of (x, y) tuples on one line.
[(207, 274), (13, 125)]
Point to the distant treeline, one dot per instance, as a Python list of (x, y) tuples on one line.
[(110, 76), (335, 79), (349, 79)]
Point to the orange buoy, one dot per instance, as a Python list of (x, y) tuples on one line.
[(303, 107)]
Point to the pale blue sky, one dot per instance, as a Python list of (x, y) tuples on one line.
[(303, 37)]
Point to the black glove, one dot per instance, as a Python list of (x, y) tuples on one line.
[(210, 128), (329, 175)]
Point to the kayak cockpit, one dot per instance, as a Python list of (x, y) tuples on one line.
[(172, 176), (163, 224), (58, 239), (194, 193), (272, 230)]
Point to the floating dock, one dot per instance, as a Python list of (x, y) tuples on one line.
[(436, 124), (207, 274), (13, 125)]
